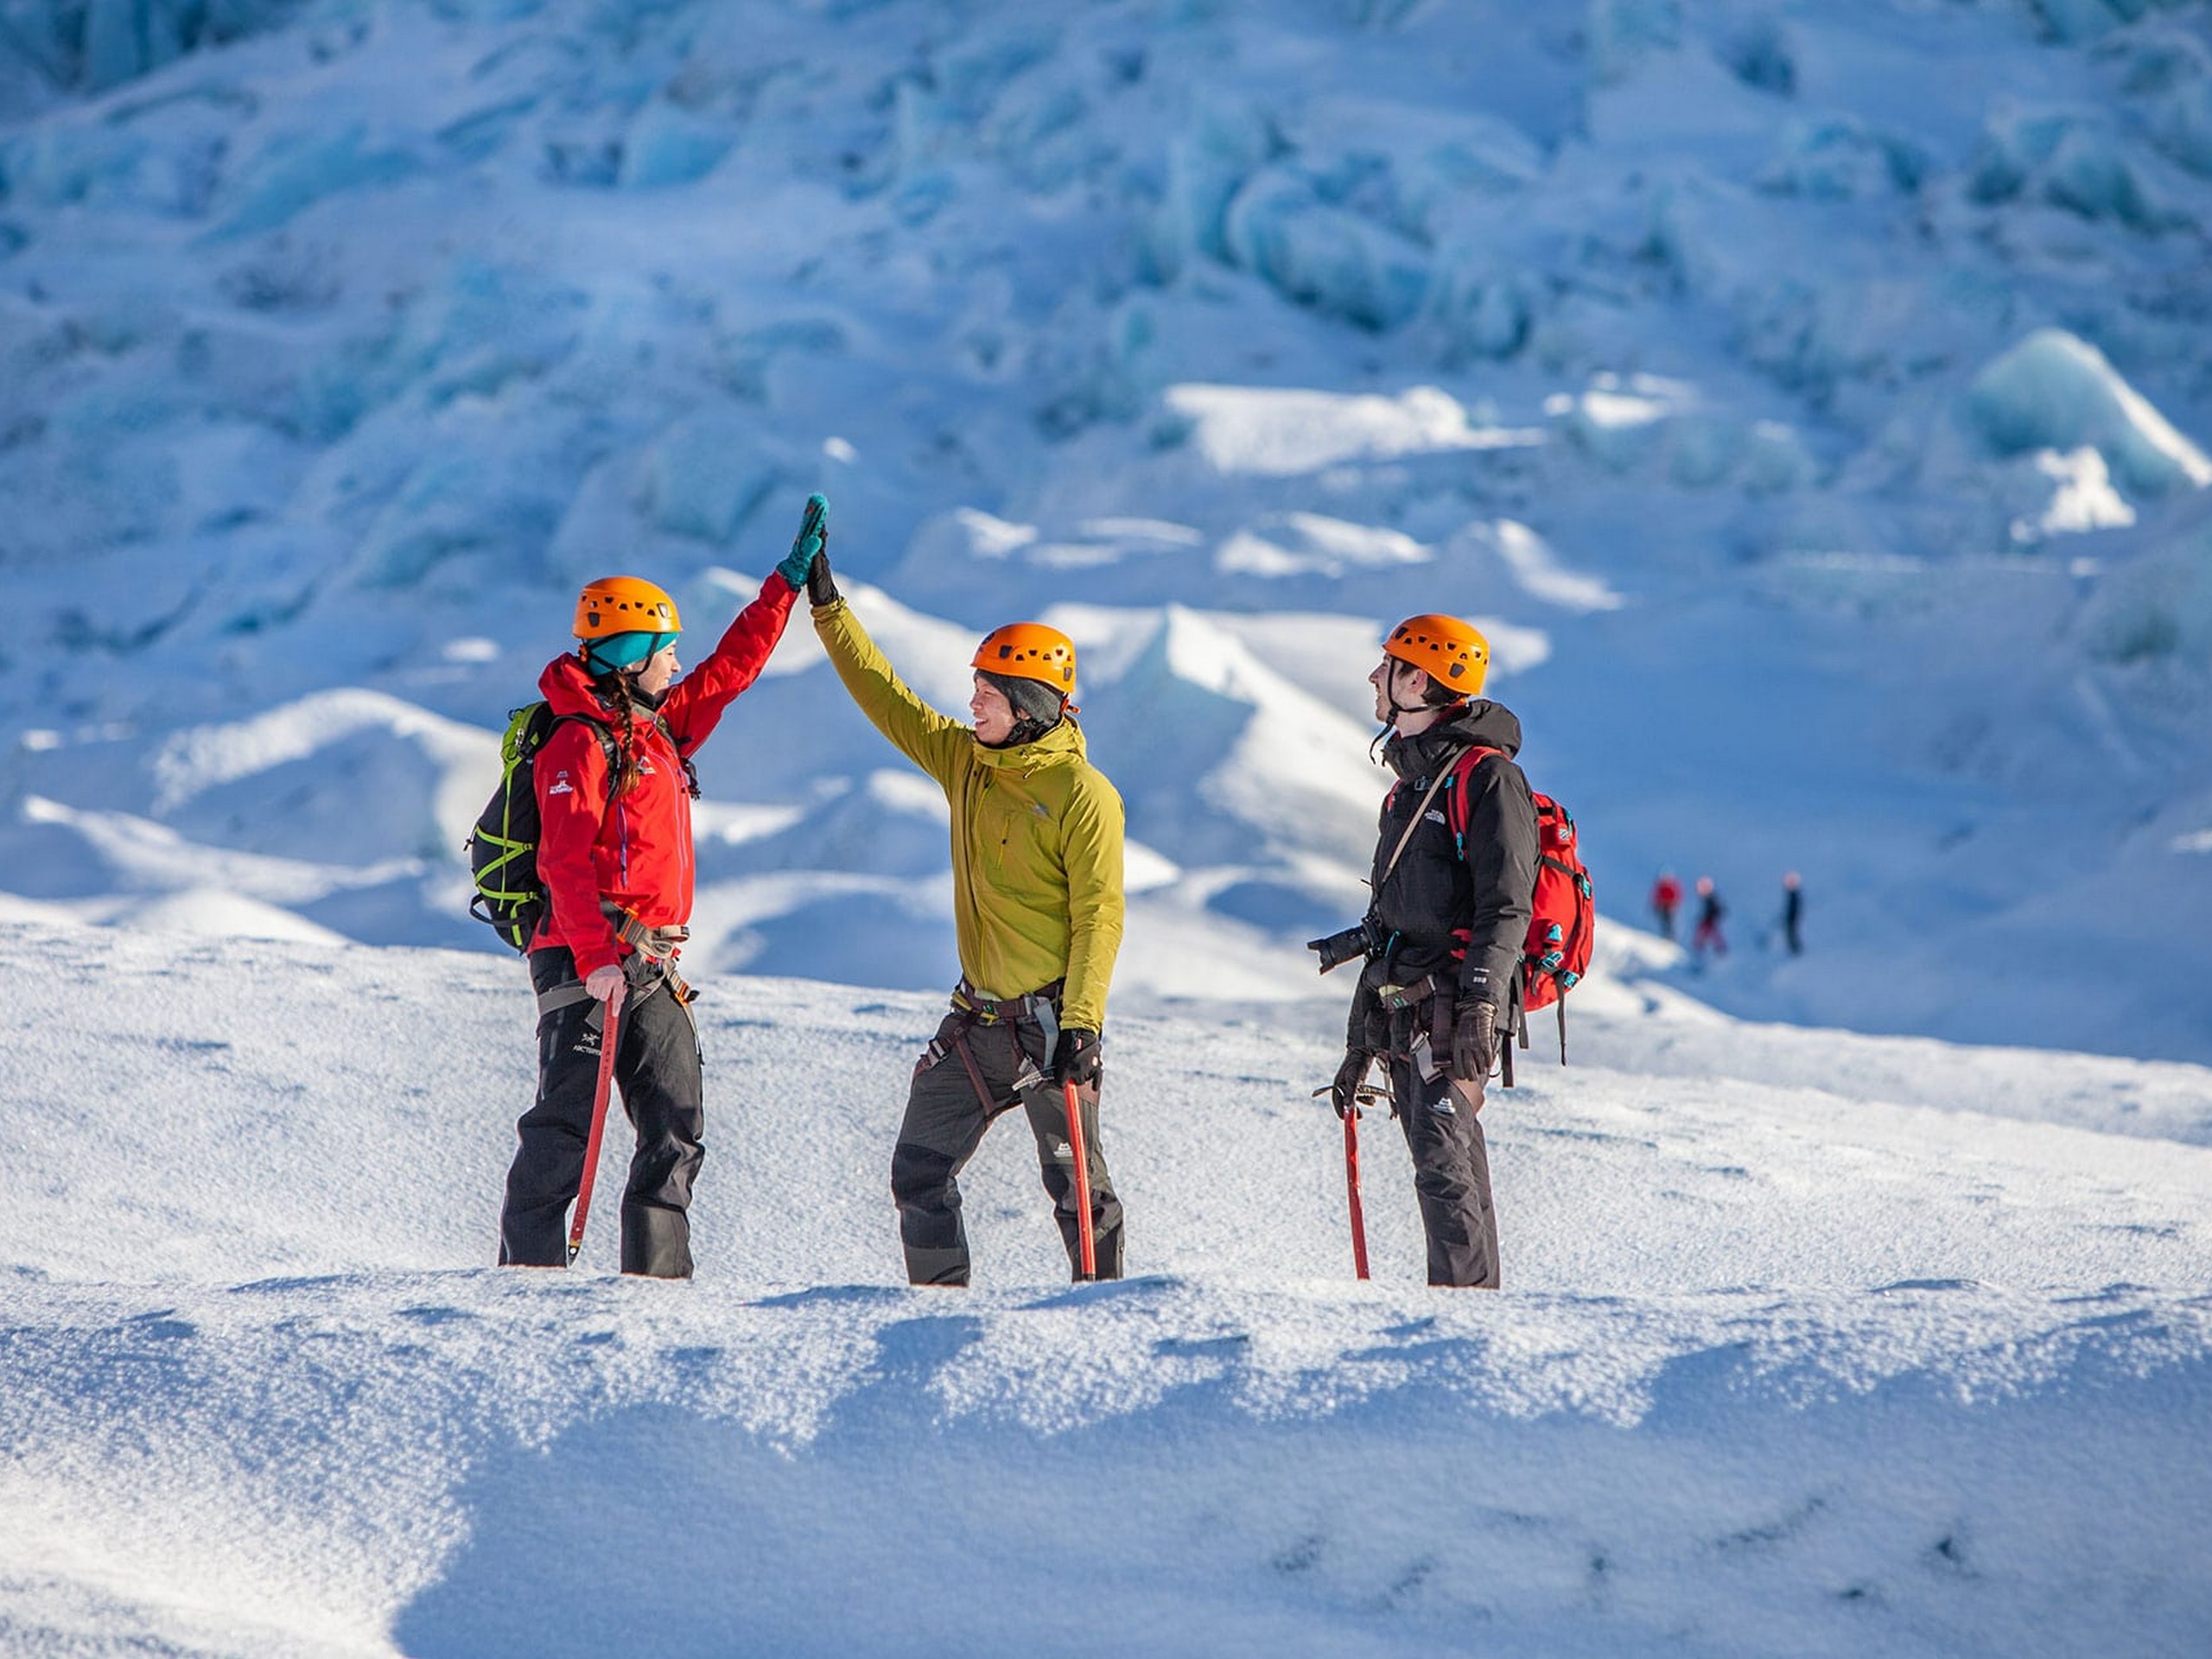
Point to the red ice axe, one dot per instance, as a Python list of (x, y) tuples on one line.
[(1365, 1093), (1351, 1190), (1088, 1248), (600, 1092)]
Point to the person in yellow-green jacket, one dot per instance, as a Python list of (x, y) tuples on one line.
[(1037, 904)]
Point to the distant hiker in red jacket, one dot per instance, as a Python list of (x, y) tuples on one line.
[(614, 793), (1666, 899), (1710, 910)]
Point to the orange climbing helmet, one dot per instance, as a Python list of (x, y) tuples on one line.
[(624, 605), (1451, 652), (1029, 650)]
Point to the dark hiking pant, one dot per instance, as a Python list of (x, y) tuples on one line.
[(657, 1072), (1450, 1176), (944, 1124)]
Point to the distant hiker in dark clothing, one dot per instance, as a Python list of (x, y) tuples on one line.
[(1793, 913), (1666, 899), (1437, 996), (1707, 935), (615, 791), (1037, 906)]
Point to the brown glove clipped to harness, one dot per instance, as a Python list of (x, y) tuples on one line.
[(1474, 1040)]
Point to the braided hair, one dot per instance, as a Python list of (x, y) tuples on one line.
[(616, 689)]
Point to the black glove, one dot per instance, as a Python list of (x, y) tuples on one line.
[(1075, 1058), (821, 587), (1344, 1093), (1474, 1040)]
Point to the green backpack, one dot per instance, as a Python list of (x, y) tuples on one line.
[(503, 848)]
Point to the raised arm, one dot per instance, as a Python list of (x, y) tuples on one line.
[(694, 704), (697, 702), (933, 741)]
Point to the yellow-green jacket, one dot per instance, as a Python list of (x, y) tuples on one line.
[(1036, 836)]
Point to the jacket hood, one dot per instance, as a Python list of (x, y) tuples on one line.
[(568, 687), (1478, 721), (1064, 743)]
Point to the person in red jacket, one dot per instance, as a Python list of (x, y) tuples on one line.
[(614, 792)]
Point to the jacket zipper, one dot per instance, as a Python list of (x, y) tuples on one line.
[(683, 830)]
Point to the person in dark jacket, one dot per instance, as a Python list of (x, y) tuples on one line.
[(615, 791), (1440, 991), (1707, 936), (1793, 913)]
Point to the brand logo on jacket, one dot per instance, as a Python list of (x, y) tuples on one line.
[(562, 785)]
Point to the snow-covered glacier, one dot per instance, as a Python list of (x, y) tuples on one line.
[(1812, 400)]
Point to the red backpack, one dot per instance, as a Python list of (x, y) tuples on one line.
[(1564, 911)]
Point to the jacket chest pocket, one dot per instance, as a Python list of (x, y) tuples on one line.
[(1430, 876), (988, 823), (1002, 825)]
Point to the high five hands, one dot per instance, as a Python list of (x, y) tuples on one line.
[(799, 565), (807, 565)]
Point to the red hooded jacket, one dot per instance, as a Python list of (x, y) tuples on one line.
[(635, 848)]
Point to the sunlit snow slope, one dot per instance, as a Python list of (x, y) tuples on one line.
[(1856, 1347)]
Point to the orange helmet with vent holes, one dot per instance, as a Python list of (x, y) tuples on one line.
[(1029, 650), (624, 605), (1452, 654)]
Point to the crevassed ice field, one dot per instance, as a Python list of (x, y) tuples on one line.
[(1812, 401)]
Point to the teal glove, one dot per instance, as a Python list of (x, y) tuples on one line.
[(811, 530)]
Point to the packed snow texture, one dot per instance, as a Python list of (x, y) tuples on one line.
[(1811, 1343)]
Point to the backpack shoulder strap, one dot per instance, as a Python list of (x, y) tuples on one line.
[(600, 729), (1443, 777), (1457, 808)]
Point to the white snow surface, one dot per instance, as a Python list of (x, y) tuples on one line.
[(1811, 400), (1834, 1350)]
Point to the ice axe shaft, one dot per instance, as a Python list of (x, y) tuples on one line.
[(604, 1087), (1360, 1095), (1087, 1247), (1351, 1190)]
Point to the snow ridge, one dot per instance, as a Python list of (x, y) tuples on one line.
[(1777, 1367)]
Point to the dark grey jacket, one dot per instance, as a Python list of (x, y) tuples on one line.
[(1457, 909)]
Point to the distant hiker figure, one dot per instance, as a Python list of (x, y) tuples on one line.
[(1037, 909), (1445, 930), (614, 787), (1793, 913), (1707, 935), (1666, 899)]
